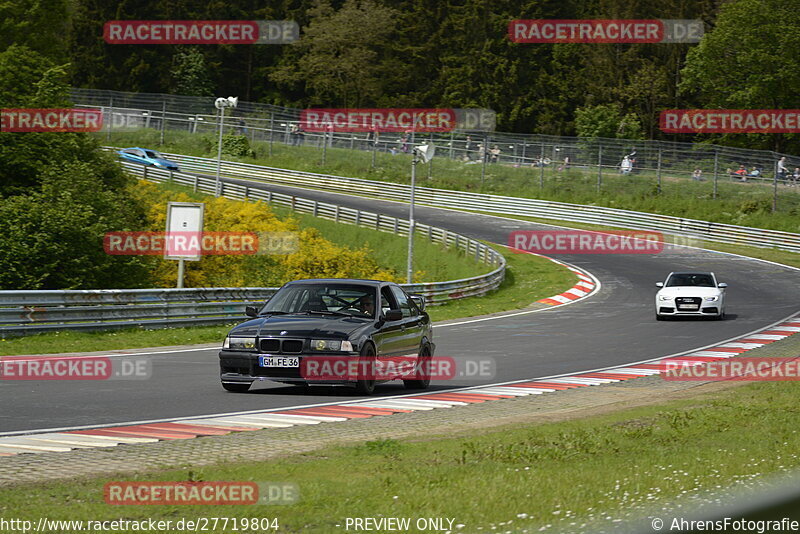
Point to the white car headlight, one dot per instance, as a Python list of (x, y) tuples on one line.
[(331, 345), (713, 298), (239, 343), (665, 297)]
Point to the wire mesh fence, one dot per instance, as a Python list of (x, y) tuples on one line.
[(508, 163)]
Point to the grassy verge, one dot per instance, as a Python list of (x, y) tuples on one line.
[(574, 475), (770, 254), (747, 204), (528, 279)]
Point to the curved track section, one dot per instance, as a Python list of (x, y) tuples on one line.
[(615, 327)]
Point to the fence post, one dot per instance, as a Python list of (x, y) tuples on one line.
[(316, 208), (271, 131), (374, 149), (483, 156), (358, 217), (195, 183), (452, 140), (775, 190), (658, 170), (541, 168), (336, 214), (599, 168), (716, 170), (163, 122), (110, 120), (377, 221)]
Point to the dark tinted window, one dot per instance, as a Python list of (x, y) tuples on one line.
[(695, 280), (351, 299), (402, 301)]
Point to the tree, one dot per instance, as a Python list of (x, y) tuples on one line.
[(190, 74), (750, 60), (606, 120), (338, 59)]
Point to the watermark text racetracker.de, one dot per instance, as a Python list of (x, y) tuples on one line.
[(191, 493), (735, 369), (730, 121), (51, 120), (74, 368), (585, 242), (200, 243), (605, 31), (201, 32), (346, 368)]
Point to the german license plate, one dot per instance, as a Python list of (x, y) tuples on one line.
[(278, 361), (689, 306)]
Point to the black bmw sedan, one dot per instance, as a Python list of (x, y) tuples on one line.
[(330, 332)]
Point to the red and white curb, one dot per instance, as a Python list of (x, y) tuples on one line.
[(148, 432), (587, 285)]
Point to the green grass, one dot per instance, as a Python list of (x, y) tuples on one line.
[(573, 474), (747, 204), (528, 279), (770, 254)]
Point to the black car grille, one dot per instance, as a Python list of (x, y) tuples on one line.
[(281, 346), (688, 303)]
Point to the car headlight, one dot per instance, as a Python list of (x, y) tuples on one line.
[(711, 299), (239, 343), (331, 345), (665, 297)]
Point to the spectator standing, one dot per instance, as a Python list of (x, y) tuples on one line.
[(626, 166), (782, 171)]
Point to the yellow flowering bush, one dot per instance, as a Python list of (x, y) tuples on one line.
[(316, 257)]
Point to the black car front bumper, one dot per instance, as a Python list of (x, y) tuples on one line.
[(243, 368)]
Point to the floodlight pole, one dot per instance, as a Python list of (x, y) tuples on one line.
[(219, 149), (410, 269)]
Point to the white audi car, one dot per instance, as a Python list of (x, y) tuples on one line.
[(690, 295)]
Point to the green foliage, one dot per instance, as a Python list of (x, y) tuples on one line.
[(53, 236), (190, 74), (235, 145), (59, 193), (751, 60), (606, 120), (341, 58)]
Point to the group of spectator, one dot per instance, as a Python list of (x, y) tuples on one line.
[(782, 173)]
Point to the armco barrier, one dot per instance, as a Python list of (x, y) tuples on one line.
[(30, 312), (560, 211)]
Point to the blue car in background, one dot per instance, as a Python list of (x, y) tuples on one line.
[(146, 156)]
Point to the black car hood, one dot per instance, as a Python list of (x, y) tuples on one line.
[(300, 325)]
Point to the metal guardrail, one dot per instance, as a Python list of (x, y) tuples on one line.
[(560, 211), (30, 312)]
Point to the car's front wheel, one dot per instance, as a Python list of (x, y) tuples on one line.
[(237, 387), (366, 365)]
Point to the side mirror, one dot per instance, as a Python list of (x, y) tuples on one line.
[(251, 311), (393, 315), (419, 300), (659, 284), (723, 285)]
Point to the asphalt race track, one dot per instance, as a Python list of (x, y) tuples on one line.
[(615, 326)]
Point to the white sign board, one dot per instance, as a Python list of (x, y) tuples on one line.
[(184, 231)]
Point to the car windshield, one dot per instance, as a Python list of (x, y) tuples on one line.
[(326, 299), (690, 279), (152, 154)]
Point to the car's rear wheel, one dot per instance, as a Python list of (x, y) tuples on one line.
[(423, 379), (366, 365), (237, 387)]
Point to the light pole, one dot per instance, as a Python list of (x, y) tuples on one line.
[(221, 104), (422, 153)]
